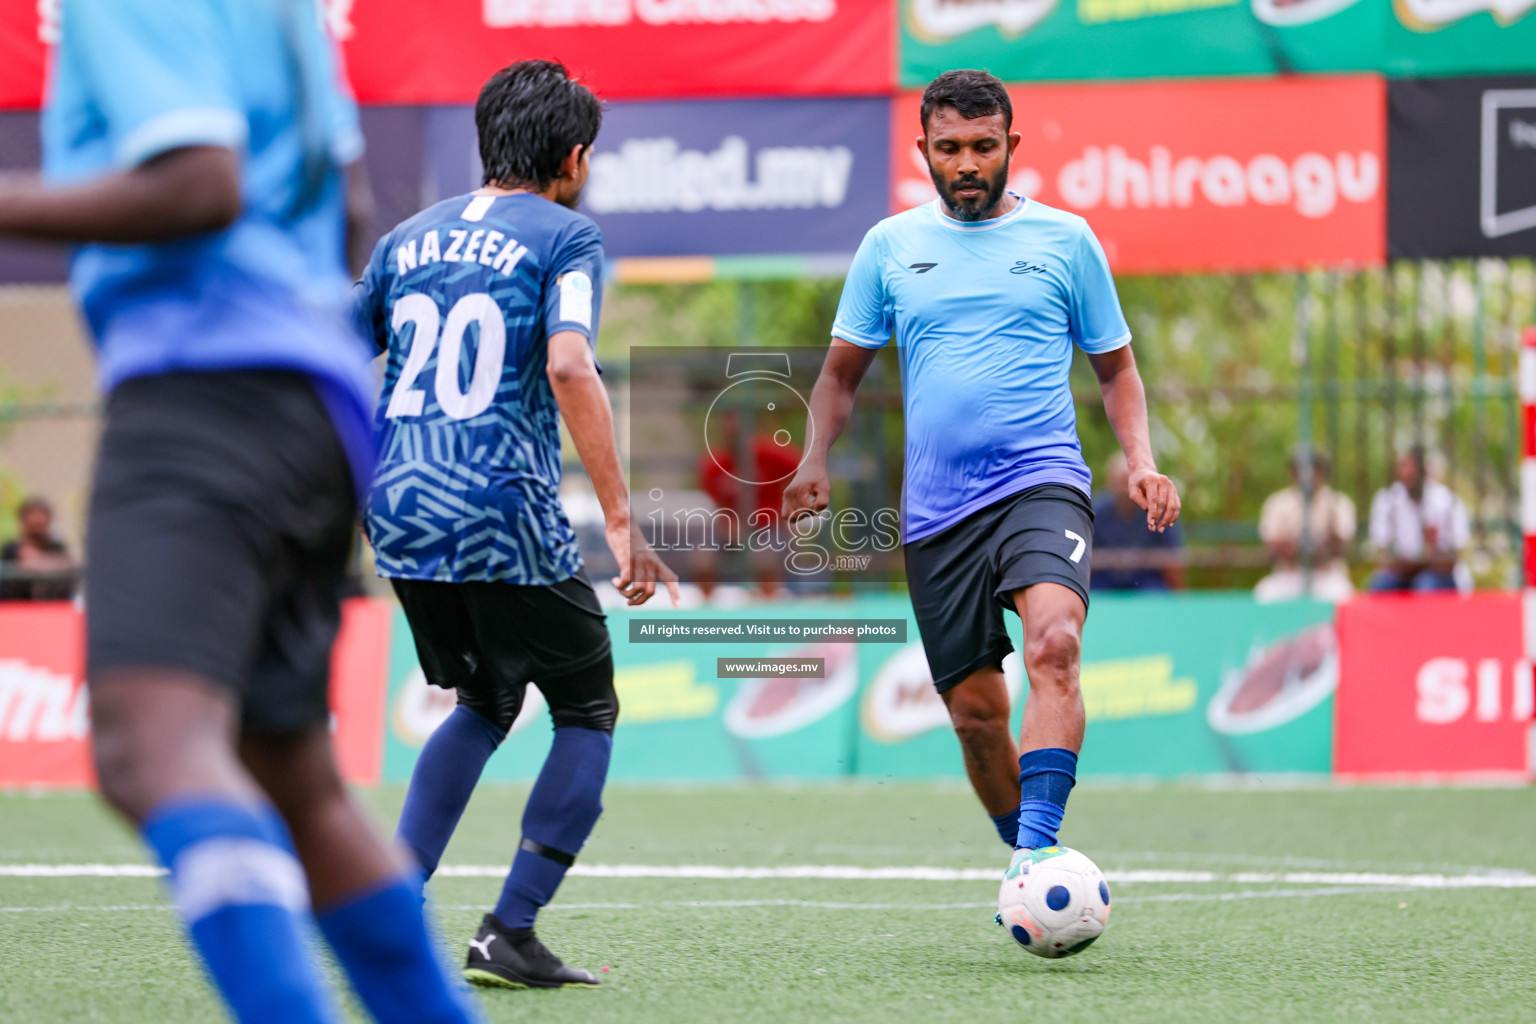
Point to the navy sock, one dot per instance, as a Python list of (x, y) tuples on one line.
[(445, 776), (562, 809), (242, 896), (1046, 778), (1007, 827), (382, 941)]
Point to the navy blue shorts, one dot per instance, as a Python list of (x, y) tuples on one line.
[(963, 577)]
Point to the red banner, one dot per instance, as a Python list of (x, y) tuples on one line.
[(410, 52), (45, 712), (1189, 176), (1432, 684)]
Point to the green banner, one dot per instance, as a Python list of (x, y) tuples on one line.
[(1174, 686), (1070, 40)]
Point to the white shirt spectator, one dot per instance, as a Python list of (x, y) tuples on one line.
[(1399, 524)]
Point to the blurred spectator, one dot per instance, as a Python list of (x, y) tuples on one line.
[(36, 565), (1330, 525), (1419, 528), (1127, 555), (754, 493)]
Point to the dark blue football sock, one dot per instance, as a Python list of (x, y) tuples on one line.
[(1007, 827), (381, 938), (242, 896), (1046, 778), (561, 812), (445, 776)]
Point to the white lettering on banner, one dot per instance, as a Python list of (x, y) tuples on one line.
[(40, 705), (1312, 183), (656, 176), (608, 13), (1448, 688), (942, 19), (50, 19), (1435, 13)]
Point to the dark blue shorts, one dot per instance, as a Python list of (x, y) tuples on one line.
[(963, 577)]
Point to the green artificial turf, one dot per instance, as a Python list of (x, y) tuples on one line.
[(802, 950)]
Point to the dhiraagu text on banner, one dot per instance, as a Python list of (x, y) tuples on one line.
[(1174, 686), (1064, 40)]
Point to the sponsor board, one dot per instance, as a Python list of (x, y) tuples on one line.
[(1433, 684), (1463, 167), (1067, 40), (44, 704), (1197, 176), (677, 720), (406, 52), (44, 701), (1172, 686), (714, 177)]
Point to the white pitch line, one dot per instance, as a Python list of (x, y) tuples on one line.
[(836, 872)]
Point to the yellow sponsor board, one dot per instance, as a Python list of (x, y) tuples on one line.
[(1135, 688), (663, 692)]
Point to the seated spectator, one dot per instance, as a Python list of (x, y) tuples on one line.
[(1419, 528), (36, 565), (1330, 523), (1127, 555)]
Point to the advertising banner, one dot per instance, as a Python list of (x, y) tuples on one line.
[(714, 177), (678, 719), (1432, 684), (1250, 690), (1239, 175), (1066, 40), (1247, 691), (44, 709), (1462, 171), (407, 52), (45, 706)]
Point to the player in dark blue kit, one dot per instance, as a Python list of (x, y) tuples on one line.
[(206, 142), (487, 307)]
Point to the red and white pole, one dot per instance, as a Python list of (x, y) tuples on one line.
[(1528, 509)]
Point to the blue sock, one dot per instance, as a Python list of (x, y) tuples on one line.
[(382, 941), (1046, 778), (445, 776), (242, 896), (1007, 827), (562, 809)]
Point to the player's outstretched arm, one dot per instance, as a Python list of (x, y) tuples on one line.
[(583, 402), (831, 406), (183, 192), (1125, 402)]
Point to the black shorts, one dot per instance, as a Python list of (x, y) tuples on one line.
[(488, 641), (963, 577), (221, 523)]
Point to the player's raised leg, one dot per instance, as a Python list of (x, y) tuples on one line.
[(979, 710)]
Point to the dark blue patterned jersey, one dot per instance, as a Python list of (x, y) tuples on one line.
[(463, 299)]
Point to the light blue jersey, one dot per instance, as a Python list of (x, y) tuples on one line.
[(985, 316), (464, 298), (133, 79)]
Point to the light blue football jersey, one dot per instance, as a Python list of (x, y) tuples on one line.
[(985, 316), (133, 79), (464, 298)]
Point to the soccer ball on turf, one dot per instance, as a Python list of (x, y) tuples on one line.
[(1054, 901)]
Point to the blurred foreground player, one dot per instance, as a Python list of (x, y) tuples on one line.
[(487, 307), (987, 293), (205, 142)]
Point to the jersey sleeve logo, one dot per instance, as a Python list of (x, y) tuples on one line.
[(922, 268), (576, 298)]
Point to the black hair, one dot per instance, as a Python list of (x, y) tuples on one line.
[(529, 116), (971, 92), (33, 503)]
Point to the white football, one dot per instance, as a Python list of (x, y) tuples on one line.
[(1054, 901)]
